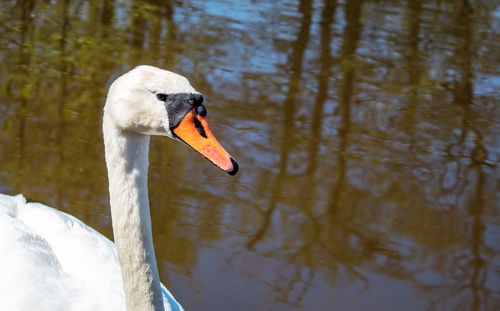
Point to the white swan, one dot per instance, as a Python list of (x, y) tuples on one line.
[(50, 260)]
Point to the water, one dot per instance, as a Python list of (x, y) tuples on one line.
[(367, 134)]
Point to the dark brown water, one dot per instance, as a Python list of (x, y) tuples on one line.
[(367, 133)]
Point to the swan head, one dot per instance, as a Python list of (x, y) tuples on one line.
[(152, 101)]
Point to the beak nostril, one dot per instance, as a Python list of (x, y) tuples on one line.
[(200, 128)]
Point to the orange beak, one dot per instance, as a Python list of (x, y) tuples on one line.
[(194, 131)]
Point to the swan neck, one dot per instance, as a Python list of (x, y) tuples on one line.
[(127, 163)]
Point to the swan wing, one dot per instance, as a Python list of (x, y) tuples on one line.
[(28, 266), (50, 260)]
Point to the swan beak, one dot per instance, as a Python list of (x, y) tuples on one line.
[(194, 131)]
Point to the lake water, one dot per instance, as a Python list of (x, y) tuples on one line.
[(367, 134)]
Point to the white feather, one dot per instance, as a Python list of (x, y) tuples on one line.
[(53, 261)]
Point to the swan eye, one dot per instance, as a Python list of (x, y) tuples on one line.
[(161, 96)]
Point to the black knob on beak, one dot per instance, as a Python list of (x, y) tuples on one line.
[(201, 110), (197, 99)]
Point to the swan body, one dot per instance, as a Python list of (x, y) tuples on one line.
[(50, 253), (50, 260)]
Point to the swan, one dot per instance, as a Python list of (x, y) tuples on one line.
[(50, 260)]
